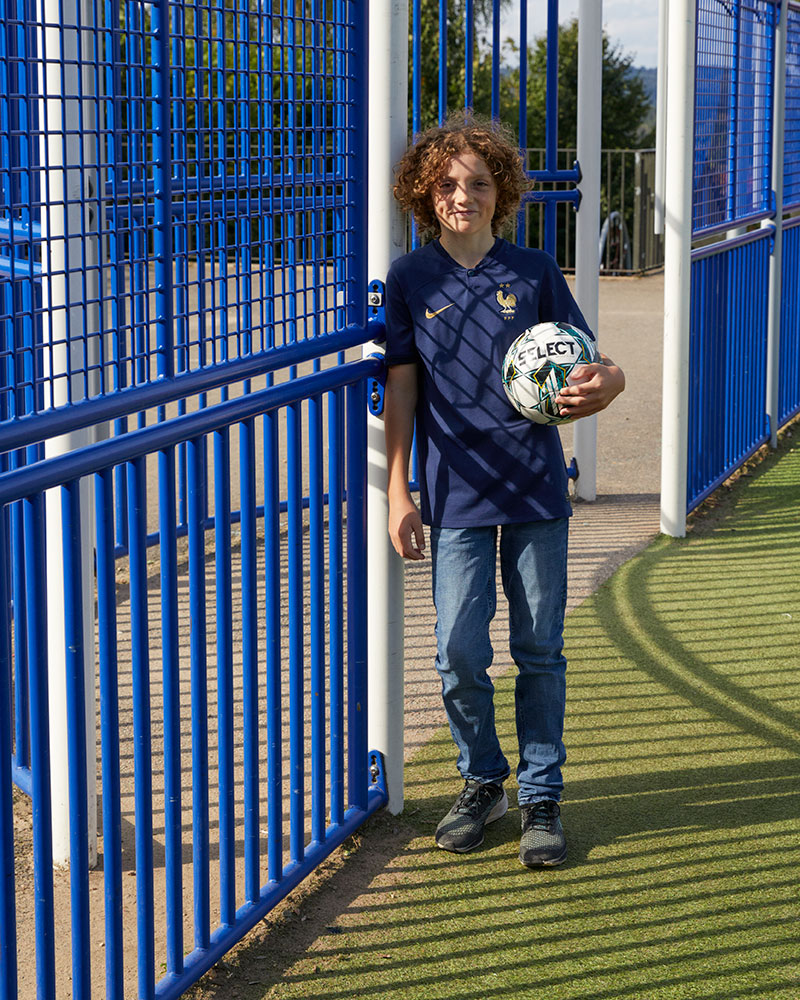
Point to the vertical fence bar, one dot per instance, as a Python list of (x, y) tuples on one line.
[(250, 630), (296, 653), (272, 579), (76, 740), (8, 918), (142, 743), (442, 60), (196, 486), (469, 52), (551, 122), (109, 731), (317, 618), (161, 104), (222, 550), (336, 600), (33, 515), (170, 662), (495, 99), (522, 233), (356, 597)]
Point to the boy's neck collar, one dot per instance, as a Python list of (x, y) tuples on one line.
[(464, 258)]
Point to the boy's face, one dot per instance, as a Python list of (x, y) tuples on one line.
[(464, 198)]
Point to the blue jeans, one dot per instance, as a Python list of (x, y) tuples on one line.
[(533, 561)]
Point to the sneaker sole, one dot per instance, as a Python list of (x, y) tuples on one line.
[(498, 811), (554, 862)]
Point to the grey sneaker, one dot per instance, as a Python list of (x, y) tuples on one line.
[(542, 842), (478, 804)]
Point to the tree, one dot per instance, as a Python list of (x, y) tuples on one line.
[(626, 105), (456, 41)]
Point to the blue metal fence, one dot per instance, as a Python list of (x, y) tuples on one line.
[(789, 363), (727, 362), (733, 199), (182, 261), (555, 185), (161, 672), (733, 113)]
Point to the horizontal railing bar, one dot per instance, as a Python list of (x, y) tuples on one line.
[(738, 241), (15, 269), (247, 916), (20, 432), (228, 182), (572, 175), (199, 210), (49, 472), (792, 222), (22, 778), (725, 227), (544, 196), (17, 231)]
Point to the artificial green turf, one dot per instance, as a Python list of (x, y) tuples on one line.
[(682, 802)]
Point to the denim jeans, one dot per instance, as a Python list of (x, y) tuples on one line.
[(533, 561)]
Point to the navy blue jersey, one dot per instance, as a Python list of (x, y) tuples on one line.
[(481, 463)]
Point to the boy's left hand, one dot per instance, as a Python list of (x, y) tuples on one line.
[(591, 389)]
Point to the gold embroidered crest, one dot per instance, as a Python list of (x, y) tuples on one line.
[(506, 301)]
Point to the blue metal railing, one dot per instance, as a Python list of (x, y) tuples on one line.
[(789, 355), (322, 747), (727, 362), (460, 63), (733, 113)]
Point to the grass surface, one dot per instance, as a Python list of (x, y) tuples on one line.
[(681, 808)]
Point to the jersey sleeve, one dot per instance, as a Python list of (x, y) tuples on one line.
[(556, 303), (400, 346)]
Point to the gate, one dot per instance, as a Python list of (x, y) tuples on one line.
[(183, 269)]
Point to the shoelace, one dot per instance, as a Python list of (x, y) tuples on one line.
[(472, 800), (540, 816)]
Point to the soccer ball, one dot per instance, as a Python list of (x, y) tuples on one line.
[(539, 364)]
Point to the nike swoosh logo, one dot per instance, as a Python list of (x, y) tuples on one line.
[(430, 315)]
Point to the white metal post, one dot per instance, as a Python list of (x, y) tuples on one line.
[(677, 263), (776, 260), (388, 135), (587, 263), (67, 107)]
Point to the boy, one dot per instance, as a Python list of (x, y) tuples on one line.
[(453, 308)]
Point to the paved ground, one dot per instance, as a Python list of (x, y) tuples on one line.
[(623, 519)]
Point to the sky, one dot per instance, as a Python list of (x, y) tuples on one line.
[(631, 23)]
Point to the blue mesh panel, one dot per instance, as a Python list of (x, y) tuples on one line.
[(733, 101), (212, 195), (791, 139)]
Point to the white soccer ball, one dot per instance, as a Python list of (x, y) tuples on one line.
[(539, 364)]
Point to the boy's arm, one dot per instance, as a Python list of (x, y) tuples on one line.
[(399, 404), (591, 389)]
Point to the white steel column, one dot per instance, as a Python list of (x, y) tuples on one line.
[(388, 136), (681, 31), (776, 260), (66, 107), (587, 262)]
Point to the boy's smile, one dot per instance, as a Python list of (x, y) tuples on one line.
[(464, 200)]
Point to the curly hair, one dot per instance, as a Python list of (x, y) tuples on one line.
[(425, 162)]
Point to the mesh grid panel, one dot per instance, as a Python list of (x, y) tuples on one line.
[(735, 42), (177, 188), (791, 138)]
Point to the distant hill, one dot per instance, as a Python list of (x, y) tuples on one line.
[(648, 77)]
